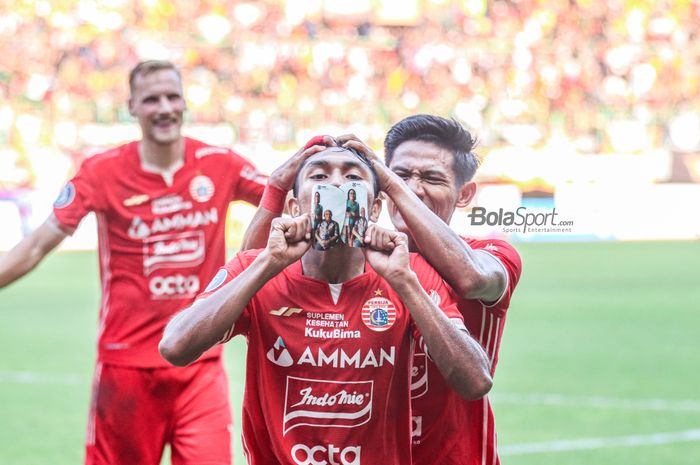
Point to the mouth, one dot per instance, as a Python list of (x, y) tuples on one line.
[(165, 124)]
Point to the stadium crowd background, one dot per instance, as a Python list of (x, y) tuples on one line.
[(542, 83)]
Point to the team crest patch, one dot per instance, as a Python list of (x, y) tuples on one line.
[(66, 196), (201, 188), (217, 281), (379, 314)]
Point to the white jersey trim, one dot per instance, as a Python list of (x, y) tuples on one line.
[(105, 270), (335, 289)]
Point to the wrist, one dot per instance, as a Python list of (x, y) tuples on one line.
[(403, 281), (390, 182), (270, 264), (273, 198)]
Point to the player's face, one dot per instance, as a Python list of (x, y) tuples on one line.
[(351, 195), (317, 198), (327, 216), (158, 104), (332, 166), (429, 172)]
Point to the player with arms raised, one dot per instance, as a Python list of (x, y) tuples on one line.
[(161, 206), (428, 172), (329, 334)]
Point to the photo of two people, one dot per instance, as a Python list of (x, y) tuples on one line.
[(339, 215)]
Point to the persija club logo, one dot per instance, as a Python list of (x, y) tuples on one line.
[(379, 314)]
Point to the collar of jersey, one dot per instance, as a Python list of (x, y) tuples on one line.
[(296, 271)]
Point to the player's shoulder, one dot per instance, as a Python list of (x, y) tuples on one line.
[(491, 245), (206, 152), (108, 159), (503, 251), (246, 257)]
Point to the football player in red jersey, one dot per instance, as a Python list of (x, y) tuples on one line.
[(161, 206), (329, 334), (428, 174)]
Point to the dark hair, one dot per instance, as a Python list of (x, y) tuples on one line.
[(145, 68), (363, 159), (445, 133)]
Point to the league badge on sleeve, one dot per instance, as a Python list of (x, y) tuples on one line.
[(379, 314), (66, 196), (217, 281)]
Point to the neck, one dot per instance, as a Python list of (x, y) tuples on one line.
[(336, 265), (162, 155)]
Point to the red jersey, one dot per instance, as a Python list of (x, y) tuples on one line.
[(159, 242), (328, 383), (448, 430)]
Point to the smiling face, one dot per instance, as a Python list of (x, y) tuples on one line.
[(429, 172), (334, 166), (351, 195), (158, 105)]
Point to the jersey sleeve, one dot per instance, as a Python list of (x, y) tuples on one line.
[(440, 293), (510, 259), (250, 183), (225, 275), (77, 198)]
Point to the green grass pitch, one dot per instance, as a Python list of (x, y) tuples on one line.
[(599, 362)]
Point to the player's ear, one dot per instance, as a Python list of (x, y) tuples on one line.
[(466, 194), (375, 210), (293, 207), (131, 106)]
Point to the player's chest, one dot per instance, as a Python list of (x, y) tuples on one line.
[(144, 206), (362, 331)]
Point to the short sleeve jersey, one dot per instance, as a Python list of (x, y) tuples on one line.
[(448, 430), (327, 382), (158, 243)]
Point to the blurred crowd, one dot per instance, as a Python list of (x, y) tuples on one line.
[(618, 76)]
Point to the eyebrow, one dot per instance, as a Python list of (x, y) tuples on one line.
[(428, 172), (325, 163)]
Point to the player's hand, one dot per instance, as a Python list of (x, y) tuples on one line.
[(283, 177), (385, 176), (387, 253), (289, 239)]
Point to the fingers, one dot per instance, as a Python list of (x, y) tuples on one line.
[(362, 148), (345, 138), (294, 229), (303, 154), (329, 141), (382, 239)]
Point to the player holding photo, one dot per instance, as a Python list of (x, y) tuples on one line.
[(329, 334)]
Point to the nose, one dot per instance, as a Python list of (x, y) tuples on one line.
[(164, 105), (336, 178), (416, 185)]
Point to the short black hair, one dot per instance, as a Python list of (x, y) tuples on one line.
[(363, 159), (448, 134)]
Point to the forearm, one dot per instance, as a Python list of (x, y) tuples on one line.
[(440, 245), (460, 359), (204, 324), (258, 230), (26, 255)]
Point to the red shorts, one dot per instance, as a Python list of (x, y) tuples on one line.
[(135, 412)]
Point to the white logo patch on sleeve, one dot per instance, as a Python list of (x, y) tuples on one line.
[(66, 196)]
